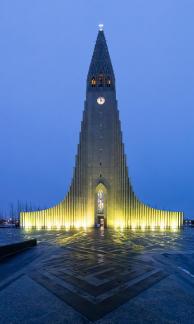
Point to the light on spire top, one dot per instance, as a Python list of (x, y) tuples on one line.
[(101, 27)]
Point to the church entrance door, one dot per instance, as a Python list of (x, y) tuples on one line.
[(100, 221)]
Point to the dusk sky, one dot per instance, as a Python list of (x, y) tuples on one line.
[(45, 51)]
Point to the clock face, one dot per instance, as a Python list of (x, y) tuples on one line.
[(101, 100)]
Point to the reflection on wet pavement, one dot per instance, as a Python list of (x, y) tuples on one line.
[(108, 240), (95, 271)]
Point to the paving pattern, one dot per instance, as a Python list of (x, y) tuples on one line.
[(96, 276), (110, 276)]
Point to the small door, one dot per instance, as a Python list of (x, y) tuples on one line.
[(100, 220)]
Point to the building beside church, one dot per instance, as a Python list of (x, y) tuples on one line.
[(101, 192)]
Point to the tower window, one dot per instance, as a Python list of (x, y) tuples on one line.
[(93, 82), (101, 80), (108, 82)]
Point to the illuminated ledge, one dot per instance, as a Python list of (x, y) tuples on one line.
[(144, 218)]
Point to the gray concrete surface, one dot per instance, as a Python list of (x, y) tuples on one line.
[(104, 277)]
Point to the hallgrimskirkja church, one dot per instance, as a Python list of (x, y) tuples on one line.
[(101, 193)]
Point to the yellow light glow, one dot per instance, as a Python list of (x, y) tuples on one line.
[(133, 226), (174, 226), (77, 225), (28, 229), (162, 226), (62, 216)]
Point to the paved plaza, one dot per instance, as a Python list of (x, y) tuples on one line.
[(101, 276)]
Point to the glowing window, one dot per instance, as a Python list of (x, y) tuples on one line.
[(93, 82), (100, 201), (108, 82)]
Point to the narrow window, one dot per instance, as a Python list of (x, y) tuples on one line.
[(93, 82), (101, 80), (108, 82), (100, 201)]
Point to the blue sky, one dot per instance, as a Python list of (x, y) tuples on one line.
[(46, 47)]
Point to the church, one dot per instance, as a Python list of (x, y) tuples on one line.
[(101, 193)]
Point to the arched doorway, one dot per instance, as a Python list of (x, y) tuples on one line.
[(101, 206)]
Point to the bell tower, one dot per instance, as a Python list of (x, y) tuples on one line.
[(104, 138), (100, 74), (100, 192)]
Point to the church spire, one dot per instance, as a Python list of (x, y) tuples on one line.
[(101, 72)]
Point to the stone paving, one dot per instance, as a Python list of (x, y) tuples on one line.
[(100, 276)]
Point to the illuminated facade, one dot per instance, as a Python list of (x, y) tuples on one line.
[(101, 192)]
